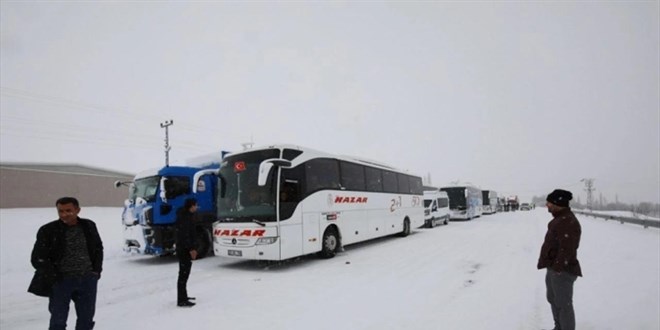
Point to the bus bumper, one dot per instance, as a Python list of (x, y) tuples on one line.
[(254, 252)]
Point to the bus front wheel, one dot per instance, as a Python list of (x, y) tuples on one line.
[(329, 243), (204, 242)]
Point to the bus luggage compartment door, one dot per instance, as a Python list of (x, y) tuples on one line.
[(311, 232)]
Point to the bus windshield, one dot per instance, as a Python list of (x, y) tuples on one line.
[(145, 188), (457, 199), (241, 199)]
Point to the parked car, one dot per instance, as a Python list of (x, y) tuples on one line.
[(525, 207)]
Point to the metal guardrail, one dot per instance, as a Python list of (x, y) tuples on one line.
[(636, 221)]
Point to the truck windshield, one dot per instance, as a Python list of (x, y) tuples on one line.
[(145, 188), (241, 199)]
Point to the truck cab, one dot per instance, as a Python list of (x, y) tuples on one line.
[(150, 211), (436, 208)]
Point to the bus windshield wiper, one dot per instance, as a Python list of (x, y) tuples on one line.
[(259, 222)]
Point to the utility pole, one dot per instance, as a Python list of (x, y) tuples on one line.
[(589, 188), (165, 125)]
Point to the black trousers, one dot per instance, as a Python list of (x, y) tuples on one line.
[(185, 263), (82, 290)]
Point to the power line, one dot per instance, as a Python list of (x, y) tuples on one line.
[(56, 130), (70, 105), (17, 123), (76, 106), (80, 140)]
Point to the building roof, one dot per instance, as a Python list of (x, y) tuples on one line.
[(63, 169)]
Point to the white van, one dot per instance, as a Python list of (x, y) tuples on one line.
[(436, 208)]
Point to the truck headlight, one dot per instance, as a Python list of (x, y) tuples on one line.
[(266, 240)]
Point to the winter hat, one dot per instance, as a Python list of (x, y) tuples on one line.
[(560, 197)]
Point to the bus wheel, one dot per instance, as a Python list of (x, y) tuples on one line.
[(406, 228), (329, 243), (203, 242)]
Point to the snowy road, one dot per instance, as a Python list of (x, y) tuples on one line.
[(479, 274)]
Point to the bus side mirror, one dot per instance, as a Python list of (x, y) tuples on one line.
[(198, 175), (266, 166), (264, 170)]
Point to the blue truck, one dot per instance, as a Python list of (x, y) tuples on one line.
[(154, 198)]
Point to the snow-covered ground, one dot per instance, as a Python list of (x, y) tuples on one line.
[(479, 274)]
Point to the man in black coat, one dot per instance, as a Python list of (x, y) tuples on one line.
[(70, 249), (185, 249), (559, 256)]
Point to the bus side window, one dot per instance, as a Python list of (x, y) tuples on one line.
[(390, 182), (374, 178), (289, 192), (321, 174), (291, 187), (352, 176), (404, 184)]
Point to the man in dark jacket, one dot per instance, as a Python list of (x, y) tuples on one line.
[(70, 248), (185, 249), (559, 256)]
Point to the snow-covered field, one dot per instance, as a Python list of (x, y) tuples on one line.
[(479, 274)]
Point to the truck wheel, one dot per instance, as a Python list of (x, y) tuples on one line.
[(432, 222), (204, 242), (329, 244)]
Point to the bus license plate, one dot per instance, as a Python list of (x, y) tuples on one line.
[(235, 253)]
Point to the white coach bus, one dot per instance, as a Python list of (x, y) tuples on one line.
[(464, 202), (489, 200), (284, 201)]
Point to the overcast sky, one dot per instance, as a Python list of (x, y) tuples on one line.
[(516, 97)]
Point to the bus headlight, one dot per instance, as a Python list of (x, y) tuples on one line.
[(266, 240)]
